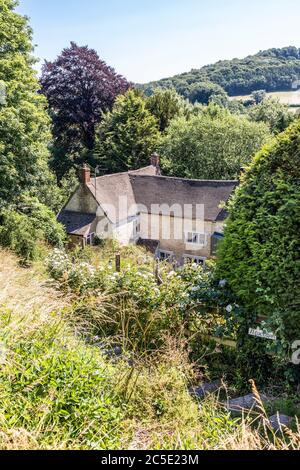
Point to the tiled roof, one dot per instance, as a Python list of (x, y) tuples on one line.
[(110, 188), (160, 190), (76, 223)]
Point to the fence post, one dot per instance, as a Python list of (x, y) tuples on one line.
[(157, 273), (118, 262)]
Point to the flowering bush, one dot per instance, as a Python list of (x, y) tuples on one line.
[(138, 306)]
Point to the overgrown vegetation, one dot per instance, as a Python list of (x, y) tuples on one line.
[(91, 358), (260, 255), (58, 391)]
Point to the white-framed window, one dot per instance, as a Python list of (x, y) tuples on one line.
[(164, 255), (90, 239), (195, 238), (194, 260)]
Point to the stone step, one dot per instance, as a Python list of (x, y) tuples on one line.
[(205, 389), (279, 421), (245, 404)]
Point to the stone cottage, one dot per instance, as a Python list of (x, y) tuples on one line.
[(175, 218)]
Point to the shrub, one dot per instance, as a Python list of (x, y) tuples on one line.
[(17, 233), (26, 229), (139, 311), (260, 255), (42, 218)]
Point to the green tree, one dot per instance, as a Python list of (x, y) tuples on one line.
[(205, 92), (127, 136), (260, 257), (165, 105), (273, 113), (213, 144), (258, 96), (24, 124)]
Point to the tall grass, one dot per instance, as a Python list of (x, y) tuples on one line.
[(59, 392)]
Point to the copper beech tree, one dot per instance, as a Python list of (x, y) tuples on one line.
[(79, 87)]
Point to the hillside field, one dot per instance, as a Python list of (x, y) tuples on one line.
[(291, 98)]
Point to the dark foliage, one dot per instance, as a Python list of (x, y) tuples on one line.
[(79, 87)]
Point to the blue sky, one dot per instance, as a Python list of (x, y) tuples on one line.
[(151, 39)]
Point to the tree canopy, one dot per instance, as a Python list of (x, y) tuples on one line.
[(273, 113), (79, 87), (127, 136), (24, 123), (165, 105), (271, 70), (213, 144)]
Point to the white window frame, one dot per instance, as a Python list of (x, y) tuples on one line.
[(196, 238), (168, 255), (136, 228), (201, 260)]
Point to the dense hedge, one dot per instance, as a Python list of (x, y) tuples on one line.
[(260, 257)]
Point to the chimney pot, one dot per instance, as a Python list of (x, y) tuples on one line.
[(155, 161), (85, 174)]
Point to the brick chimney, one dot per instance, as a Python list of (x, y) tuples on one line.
[(155, 161), (85, 174)]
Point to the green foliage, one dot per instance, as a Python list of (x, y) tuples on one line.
[(260, 255), (273, 113), (127, 136), (25, 229), (271, 70), (206, 92), (258, 96), (145, 311), (43, 219), (57, 385), (18, 234), (24, 124), (213, 144), (165, 105)]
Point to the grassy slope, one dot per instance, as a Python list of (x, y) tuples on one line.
[(56, 392)]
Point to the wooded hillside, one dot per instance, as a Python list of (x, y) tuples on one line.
[(270, 70)]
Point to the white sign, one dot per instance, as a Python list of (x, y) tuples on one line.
[(258, 333)]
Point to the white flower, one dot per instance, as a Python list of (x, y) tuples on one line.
[(223, 283), (229, 308), (195, 289), (172, 273)]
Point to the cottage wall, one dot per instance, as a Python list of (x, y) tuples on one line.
[(155, 227), (82, 201), (124, 232)]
